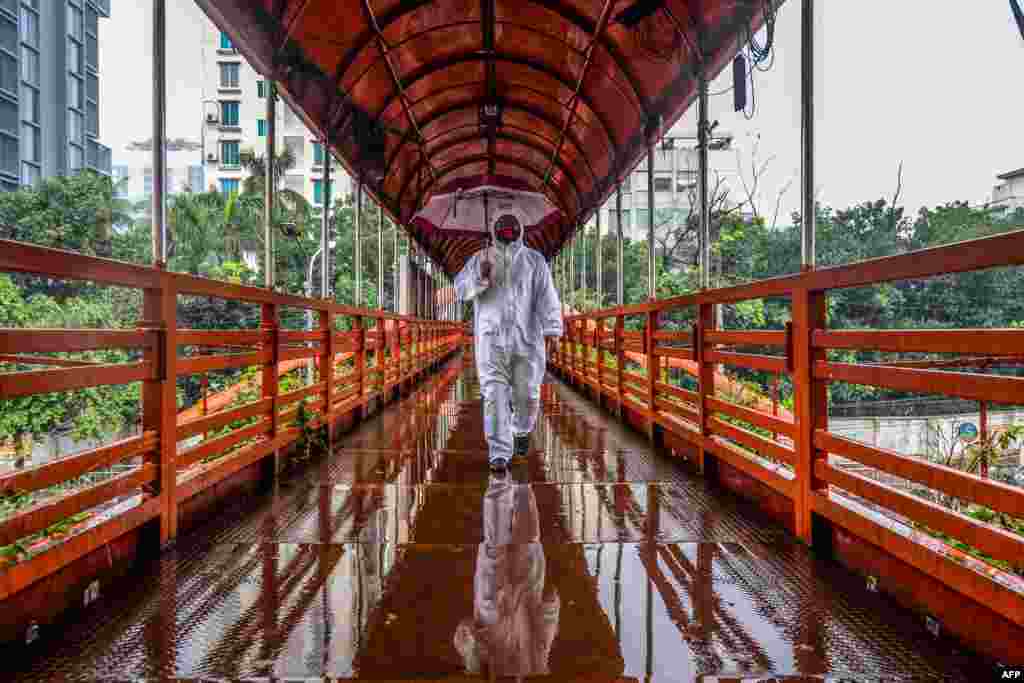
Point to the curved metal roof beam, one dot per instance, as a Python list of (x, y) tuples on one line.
[(510, 105), (525, 142), (578, 20), (433, 67)]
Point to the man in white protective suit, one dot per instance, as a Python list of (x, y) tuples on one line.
[(516, 308), (515, 614)]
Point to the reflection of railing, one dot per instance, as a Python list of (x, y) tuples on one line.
[(745, 437), (403, 349)]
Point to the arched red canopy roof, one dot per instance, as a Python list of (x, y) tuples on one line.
[(399, 88)]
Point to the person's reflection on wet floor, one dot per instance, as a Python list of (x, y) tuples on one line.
[(515, 620)]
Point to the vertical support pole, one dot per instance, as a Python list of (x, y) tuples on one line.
[(620, 256), (706, 378), (269, 185), (704, 239), (159, 398), (380, 258), (598, 264), (983, 432), (327, 369), (572, 268), (620, 359), (808, 221), (652, 266), (269, 388), (811, 408), (359, 244), (583, 260), (325, 228), (653, 372), (160, 134), (396, 277)]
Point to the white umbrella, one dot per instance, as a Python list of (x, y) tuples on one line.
[(473, 211)]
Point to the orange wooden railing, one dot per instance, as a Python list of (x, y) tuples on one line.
[(794, 460), (404, 349)]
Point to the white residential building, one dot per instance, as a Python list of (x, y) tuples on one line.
[(1009, 194), (675, 184), (132, 172), (234, 111)]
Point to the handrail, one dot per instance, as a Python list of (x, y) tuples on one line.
[(789, 454), (405, 349)]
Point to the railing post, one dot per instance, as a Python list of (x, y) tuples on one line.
[(706, 379), (620, 359), (159, 396), (269, 383), (360, 365), (810, 401), (653, 370), (327, 369)]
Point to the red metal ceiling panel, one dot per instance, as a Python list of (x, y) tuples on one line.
[(437, 49)]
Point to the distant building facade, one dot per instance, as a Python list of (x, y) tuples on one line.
[(1009, 193), (49, 89), (234, 121)]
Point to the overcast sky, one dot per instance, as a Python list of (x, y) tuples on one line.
[(935, 85)]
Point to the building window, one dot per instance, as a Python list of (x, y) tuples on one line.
[(318, 154), (229, 113), (74, 91), (30, 104), (74, 22), (75, 156), (29, 174), (9, 117), (229, 185), (641, 218), (229, 154), (225, 42), (318, 191), (30, 28), (9, 154), (662, 184), (76, 129), (8, 72), (229, 75), (30, 147), (261, 127), (74, 57), (29, 65), (261, 88)]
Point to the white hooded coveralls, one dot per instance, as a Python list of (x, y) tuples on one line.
[(512, 317), (515, 615)]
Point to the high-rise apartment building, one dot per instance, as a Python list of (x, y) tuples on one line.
[(49, 89), (234, 111)]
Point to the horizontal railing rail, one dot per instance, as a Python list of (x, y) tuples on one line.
[(173, 460), (789, 453)]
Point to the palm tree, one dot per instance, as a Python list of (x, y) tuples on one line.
[(291, 201), (209, 227)]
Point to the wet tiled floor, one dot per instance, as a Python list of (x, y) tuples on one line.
[(401, 557)]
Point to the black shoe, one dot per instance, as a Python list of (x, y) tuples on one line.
[(520, 445)]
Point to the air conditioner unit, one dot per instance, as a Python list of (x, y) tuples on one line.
[(211, 157), (211, 118)]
